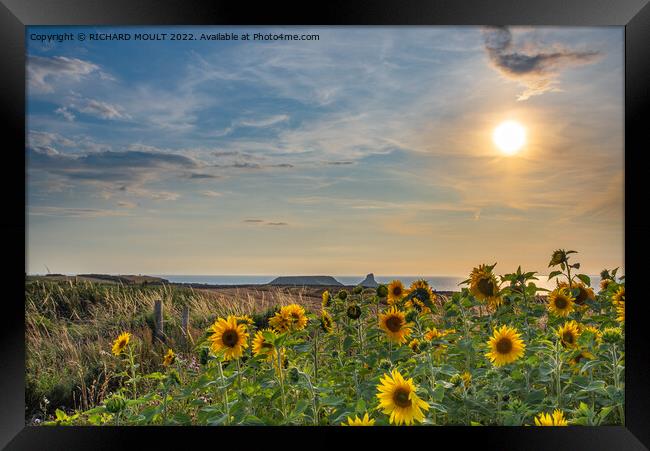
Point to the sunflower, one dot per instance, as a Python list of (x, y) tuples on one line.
[(598, 335), (169, 358), (435, 334), (393, 322), (290, 318), (228, 336), (620, 312), (569, 334), (461, 379), (505, 346), (356, 421), (556, 419), (605, 283), (585, 292), (415, 345), (244, 319), (120, 343), (420, 293), (612, 334), (619, 296), (578, 357), (261, 346), (484, 286), (353, 311), (327, 299), (326, 322), (560, 302), (398, 398), (395, 292), (559, 256)]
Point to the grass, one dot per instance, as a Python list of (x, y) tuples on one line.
[(70, 326)]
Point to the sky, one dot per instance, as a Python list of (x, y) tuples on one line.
[(367, 150)]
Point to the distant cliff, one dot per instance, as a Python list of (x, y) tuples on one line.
[(369, 281), (306, 281)]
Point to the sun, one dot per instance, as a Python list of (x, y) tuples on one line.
[(509, 137)]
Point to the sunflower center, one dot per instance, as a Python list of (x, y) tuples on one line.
[(397, 291), (561, 302), (267, 345), (121, 343), (568, 337), (504, 345), (401, 397), (394, 323), (582, 296), (230, 338), (486, 286)]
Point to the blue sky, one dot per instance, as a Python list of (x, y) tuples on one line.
[(367, 150)]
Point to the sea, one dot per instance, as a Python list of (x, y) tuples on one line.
[(439, 283)]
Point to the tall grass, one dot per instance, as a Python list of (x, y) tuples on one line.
[(70, 327)]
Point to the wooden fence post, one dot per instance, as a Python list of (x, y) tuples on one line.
[(159, 333)]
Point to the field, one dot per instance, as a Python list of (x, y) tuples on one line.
[(500, 351)]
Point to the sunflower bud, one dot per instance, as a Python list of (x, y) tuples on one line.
[(203, 356), (612, 335), (354, 311), (357, 290), (559, 256), (116, 404), (342, 295), (294, 375), (173, 377), (382, 291)]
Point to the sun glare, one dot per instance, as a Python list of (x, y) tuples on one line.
[(509, 137)]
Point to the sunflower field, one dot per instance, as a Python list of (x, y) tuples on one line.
[(501, 351)]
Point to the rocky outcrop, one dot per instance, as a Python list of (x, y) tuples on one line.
[(369, 281)]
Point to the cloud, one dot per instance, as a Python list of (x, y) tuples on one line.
[(67, 114), (201, 176), (210, 193), (43, 71), (91, 107), (531, 65), (68, 212), (127, 204), (264, 122), (113, 172), (267, 223)]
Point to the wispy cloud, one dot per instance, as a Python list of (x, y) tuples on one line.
[(210, 193), (68, 212), (533, 66), (43, 71), (92, 107)]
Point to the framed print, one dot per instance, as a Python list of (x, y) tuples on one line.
[(410, 217)]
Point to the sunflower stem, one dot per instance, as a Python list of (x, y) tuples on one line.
[(281, 378), (225, 392), (558, 373), (614, 352), (316, 355), (132, 365), (239, 385)]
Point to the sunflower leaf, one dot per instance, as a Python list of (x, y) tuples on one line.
[(585, 279), (554, 274)]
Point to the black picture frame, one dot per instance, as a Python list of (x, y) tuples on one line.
[(634, 15)]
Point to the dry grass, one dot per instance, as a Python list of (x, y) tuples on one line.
[(70, 327)]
